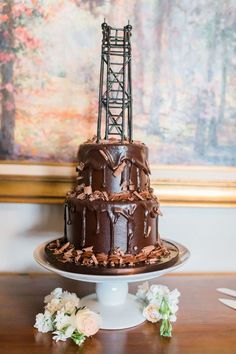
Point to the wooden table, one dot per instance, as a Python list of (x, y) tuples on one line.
[(204, 325)]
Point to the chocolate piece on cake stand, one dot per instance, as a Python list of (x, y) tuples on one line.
[(111, 232)]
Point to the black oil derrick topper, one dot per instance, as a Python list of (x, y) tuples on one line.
[(115, 90)]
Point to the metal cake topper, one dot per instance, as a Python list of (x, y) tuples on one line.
[(115, 90)]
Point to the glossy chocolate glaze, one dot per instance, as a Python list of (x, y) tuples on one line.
[(142, 267), (108, 225), (114, 167)]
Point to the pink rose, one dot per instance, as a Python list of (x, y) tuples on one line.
[(87, 322), (151, 313)]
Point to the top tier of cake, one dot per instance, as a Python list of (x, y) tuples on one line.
[(113, 167)]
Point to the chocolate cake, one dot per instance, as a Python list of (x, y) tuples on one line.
[(111, 214)]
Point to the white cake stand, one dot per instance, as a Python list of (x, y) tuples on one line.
[(118, 308)]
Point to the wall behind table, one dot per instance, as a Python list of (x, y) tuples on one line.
[(209, 233)]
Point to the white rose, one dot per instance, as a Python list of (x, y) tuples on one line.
[(174, 296), (157, 292), (53, 306), (44, 322), (87, 322), (151, 313), (62, 320), (55, 294), (67, 333)]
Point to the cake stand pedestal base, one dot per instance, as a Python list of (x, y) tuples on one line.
[(118, 308)]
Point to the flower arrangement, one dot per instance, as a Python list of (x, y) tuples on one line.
[(66, 319), (159, 303), (63, 316)]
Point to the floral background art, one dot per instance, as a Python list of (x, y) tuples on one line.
[(183, 77)]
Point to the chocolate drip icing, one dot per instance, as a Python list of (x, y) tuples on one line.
[(69, 222), (83, 240), (97, 221), (121, 166), (145, 231), (113, 216), (104, 177), (158, 240), (128, 213), (136, 226), (138, 179), (90, 174)]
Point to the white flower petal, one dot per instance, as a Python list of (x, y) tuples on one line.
[(43, 322), (142, 291), (55, 294)]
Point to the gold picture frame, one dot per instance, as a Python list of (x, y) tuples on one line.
[(24, 182)]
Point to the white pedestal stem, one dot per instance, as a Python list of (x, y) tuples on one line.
[(118, 308)]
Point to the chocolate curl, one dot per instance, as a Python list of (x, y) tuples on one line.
[(119, 169), (62, 249), (148, 249), (104, 155), (79, 187), (131, 186), (104, 193), (138, 195), (80, 167), (81, 196), (124, 186), (148, 232), (140, 257), (119, 196), (95, 261), (88, 249), (88, 190)]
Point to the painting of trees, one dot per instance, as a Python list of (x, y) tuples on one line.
[(14, 39), (183, 67)]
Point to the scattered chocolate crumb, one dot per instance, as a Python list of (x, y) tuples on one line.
[(66, 253), (138, 195)]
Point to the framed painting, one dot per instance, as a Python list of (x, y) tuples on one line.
[(183, 73)]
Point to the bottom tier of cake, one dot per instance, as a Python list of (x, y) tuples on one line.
[(64, 256)]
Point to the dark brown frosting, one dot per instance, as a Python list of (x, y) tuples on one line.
[(114, 167), (108, 225)]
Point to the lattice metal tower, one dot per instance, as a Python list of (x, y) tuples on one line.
[(115, 91)]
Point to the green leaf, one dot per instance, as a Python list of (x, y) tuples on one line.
[(166, 328), (78, 337)]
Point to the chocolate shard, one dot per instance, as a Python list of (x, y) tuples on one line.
[(81, 196), (119, 169), (148, 231), (124, 186), (131, 186), (88, 249), (138, 195), (62, 249), (102, 152), (95, 261), (104, 193), (80, 166), (87, 190), (148, 249)]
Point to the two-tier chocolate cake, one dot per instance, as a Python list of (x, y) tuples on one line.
[(111, 215)]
